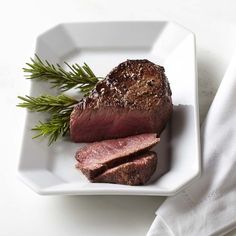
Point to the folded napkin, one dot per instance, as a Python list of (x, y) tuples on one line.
[(208, 206)]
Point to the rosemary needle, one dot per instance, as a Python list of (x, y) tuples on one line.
[(59, 107), (47, 103), (81, 77)]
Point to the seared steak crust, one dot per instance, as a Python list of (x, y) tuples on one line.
[(134, 98)]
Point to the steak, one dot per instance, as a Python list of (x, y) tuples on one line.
[(97, 157), (135, 172), (134, 98)]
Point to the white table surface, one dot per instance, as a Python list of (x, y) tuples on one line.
[(23, 212)]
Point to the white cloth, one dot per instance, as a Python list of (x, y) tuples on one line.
[(208, 206)]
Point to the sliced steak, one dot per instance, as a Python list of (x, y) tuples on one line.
[(134, 98), (96, 158), (135, 172)]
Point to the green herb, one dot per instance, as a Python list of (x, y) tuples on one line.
[(59, 107), (57, 126), (47, 103), (78, 76)]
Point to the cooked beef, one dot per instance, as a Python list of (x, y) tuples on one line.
[(96, 158), (134, 98), (134, 172)]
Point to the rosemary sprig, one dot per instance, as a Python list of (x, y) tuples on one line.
[(59, 107), (57, 126), (47, 103), (79, 76)]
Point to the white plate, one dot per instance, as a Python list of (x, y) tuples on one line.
[(103, 45)]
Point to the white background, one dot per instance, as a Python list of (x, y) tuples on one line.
[(23, 212)]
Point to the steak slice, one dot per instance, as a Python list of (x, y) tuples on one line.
[(134, 98), (96, 158), (135, 172)]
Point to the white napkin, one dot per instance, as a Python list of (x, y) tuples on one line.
[(208, 206)]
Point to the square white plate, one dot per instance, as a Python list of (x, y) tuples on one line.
[(103, 45)]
